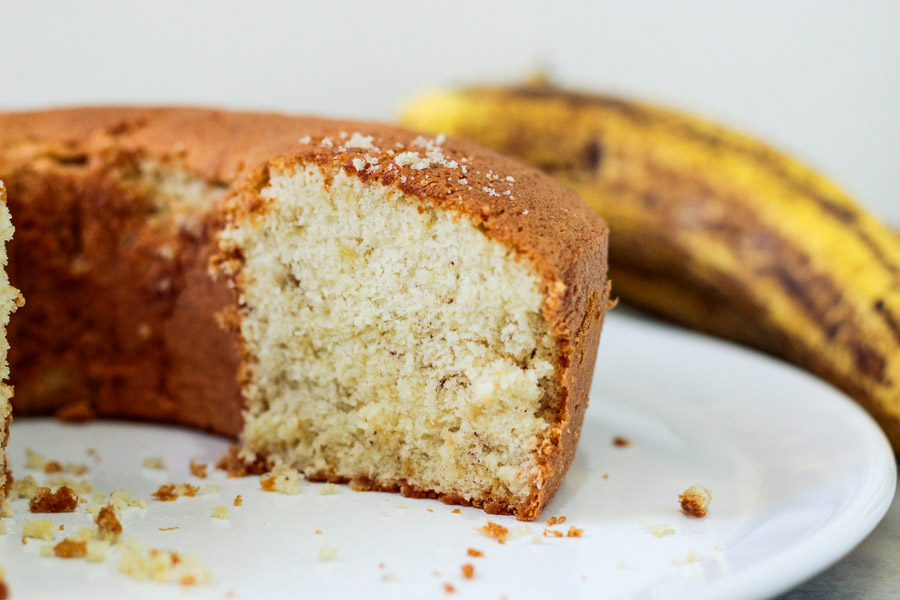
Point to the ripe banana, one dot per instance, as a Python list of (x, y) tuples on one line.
[(711, 228)]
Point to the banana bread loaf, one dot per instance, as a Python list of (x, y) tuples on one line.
[(398, 312)]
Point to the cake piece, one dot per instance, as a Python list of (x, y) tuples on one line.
[(402, 333), (399, 312), (10, 299)]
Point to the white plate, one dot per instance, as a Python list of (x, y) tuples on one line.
[(799, 476)]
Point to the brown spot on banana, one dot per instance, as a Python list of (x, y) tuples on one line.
[(889, 318), (838, 207)]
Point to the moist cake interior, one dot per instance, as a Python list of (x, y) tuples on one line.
[(390, 343)]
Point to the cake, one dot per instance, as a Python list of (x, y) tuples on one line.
[(353, 300), (10, 299)]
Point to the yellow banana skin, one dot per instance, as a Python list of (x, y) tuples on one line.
[(711, 228)]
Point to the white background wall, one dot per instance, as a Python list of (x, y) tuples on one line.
[(818, 78)]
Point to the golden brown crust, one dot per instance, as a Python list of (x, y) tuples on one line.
[(57, 159), (6, 478)]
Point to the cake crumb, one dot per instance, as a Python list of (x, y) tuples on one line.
[(520, 531), (494, 530), (695, 501), (2, 528), (46, 501), (170, 492), (621, 442), (238, 500), (318, 532), (77, 469), (154, 462), (574, 532), (326, 553), (555, 520), (221, 512), (25, 487), (34, 460), (236, 465), (169, 528), (552, 532), (81, 486), (468, 571), (119, 499), (141, 562), (328, 489), (108, 525), (53, 466), (96, 550), (449, 588), (40, 529), (198, 469), (456, 511), (6, 509), (281, 479), (69, 548), (657, 529), (474, 553)]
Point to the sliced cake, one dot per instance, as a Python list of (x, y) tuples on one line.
[(399, 312)]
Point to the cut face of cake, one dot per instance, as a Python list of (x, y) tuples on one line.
[(10, 299), (392, 343), (352, 300)]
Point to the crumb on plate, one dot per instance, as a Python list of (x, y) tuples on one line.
[(46, 501), (695, 501), (494, 530), (154, 462), (198, 469), (326, 553), (281, 479), (170, 492), (236, 465), (142, 562), (40, 529)]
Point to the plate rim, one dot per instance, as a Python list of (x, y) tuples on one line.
[(810, 556)]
